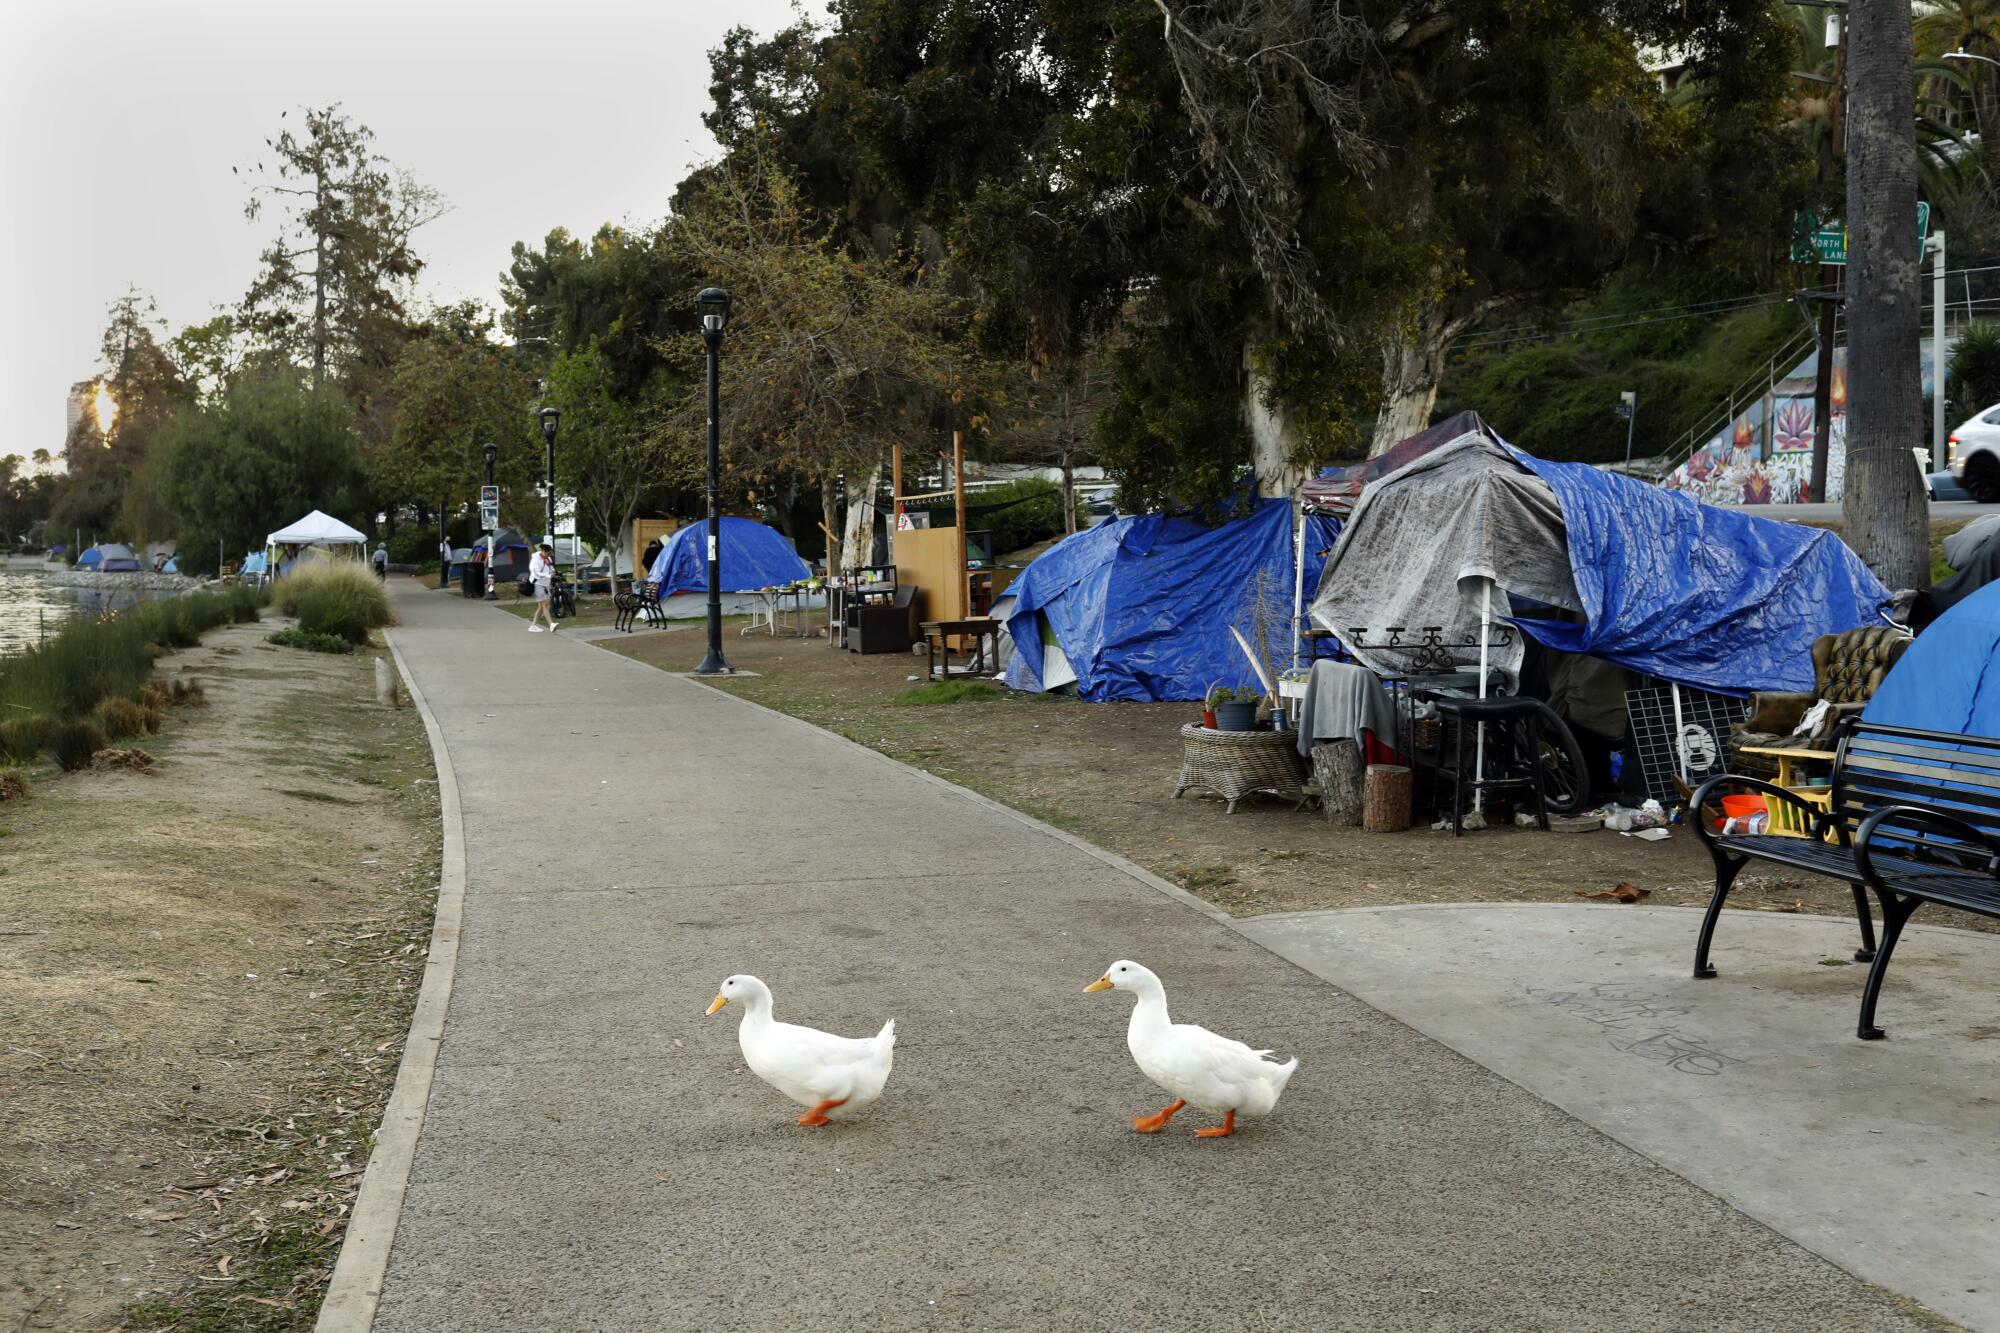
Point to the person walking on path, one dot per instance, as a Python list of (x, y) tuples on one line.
[(381, 562), (542, 573)]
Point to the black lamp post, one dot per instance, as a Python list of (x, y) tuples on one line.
[(549, 418), (491, 450), (713, 303)]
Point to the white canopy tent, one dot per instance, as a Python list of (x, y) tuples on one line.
[(316, 531)]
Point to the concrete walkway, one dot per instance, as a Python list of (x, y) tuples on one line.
[(595, 1156), (1878, 1155)]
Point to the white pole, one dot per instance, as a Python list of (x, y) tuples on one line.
[(1298, 578), (1485, 636), (1938, 459)]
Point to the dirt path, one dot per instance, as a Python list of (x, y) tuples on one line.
[(205, 974), (1107, 771)]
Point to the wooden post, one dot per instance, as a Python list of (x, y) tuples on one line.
[(958, 506), (895, 495), (1386, 799)]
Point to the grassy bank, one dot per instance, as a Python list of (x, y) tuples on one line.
[(213, 964), (88, 684)]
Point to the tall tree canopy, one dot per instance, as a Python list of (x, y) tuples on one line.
[(270, 450)]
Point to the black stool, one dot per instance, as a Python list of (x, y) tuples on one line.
[(1516, 719)]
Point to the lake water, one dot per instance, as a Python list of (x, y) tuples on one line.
[(32, 605)]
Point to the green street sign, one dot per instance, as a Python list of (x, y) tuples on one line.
[(1828, 244)]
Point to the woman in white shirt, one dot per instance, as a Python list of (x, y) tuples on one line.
[(542, 573)]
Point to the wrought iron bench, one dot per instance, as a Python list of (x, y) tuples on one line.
[(640, 602), (1914, 818)]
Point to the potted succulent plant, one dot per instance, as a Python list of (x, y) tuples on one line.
[(1208, 701), (1235, 709)]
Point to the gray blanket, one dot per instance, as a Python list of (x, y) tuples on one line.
[(1342, 700)]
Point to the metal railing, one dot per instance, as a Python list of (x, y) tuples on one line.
[(1760, 384)]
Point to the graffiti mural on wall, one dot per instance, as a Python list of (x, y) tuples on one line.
[(1765, 455)]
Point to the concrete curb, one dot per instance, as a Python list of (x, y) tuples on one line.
[(356, 1285)]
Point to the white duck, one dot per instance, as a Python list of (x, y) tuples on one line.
[(1216, 1074), (815, 1069)]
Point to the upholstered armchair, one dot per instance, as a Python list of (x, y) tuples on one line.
[(1847, 669)]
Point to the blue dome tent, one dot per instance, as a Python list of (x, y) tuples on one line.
[(753, 556), (1949, 679)]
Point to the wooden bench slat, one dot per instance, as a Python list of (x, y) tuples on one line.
[(1941, 773)]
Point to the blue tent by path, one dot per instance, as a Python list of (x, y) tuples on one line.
[(1949, 679), (1141, 607), (752, 556)]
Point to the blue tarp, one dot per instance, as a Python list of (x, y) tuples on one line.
[(1949, 679), (1696, 594), (752, 556), (1142, 606), (253, 563)]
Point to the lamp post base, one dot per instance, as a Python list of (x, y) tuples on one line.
[(713, 665)]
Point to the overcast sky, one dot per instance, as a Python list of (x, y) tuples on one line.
[(120, 120)]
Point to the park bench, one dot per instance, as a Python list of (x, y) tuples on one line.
[(639, 602), (1914, 817)]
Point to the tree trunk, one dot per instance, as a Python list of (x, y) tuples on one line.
[(1274, 440), (1884, 513), (1069, 493), (858, 544), (829, 519), (1412, 366)]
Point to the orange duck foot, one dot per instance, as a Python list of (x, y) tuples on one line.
[(817, 1116), (1223, 1130), (1153, 1124)]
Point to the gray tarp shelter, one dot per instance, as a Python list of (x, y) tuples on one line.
[(1426, 544)]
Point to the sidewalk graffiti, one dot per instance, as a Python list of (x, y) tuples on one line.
[(1638, 1022)]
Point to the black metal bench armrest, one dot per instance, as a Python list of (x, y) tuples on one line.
[(1767, 790), (1918, 816)]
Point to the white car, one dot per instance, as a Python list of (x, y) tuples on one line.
[(1975, 455)]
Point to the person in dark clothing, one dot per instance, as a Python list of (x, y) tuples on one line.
[(644, 569)]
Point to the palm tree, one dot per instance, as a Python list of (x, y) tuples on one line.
[(1884, 515), (1971, 26)]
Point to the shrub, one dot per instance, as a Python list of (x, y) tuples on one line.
[(152, 696), (311, 642), (73, 743), (1973, 373), (120, 718), (13, 786), (335, 597), (21, 739), (1018, 514)]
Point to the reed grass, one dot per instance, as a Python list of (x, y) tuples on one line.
[(337, 597), (92, 676)]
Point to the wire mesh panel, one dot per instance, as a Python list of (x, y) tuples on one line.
[(1681, 731)]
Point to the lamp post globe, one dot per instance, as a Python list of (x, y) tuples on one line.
[(549, 417), (713, 305)]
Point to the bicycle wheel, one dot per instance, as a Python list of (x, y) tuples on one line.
[(1565, 776)]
